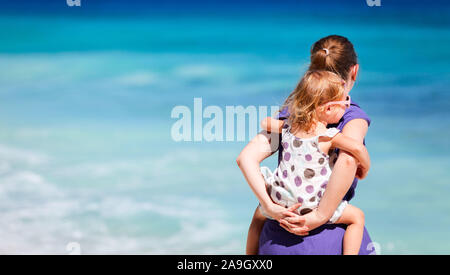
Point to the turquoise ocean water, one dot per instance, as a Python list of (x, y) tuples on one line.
[(86, 154)]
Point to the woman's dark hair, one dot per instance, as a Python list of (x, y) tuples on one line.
[(333, 53)]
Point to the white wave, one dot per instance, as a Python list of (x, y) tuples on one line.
[(5, 167), (52, 218), (213, 236), (41, 216), (100, 169), (198, 70), (23, 156), (157, 166), (203, 227), (138, 79)]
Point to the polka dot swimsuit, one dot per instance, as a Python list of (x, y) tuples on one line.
[(303, 173)]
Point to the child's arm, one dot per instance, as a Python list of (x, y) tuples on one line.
[(254, 232), (272, 125), (357, 149)]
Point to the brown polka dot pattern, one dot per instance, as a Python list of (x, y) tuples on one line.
[(305, 211), (302, 174), (309, 173), (297, 143)]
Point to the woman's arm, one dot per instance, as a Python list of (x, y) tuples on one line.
[(340, 181), (249, 160)]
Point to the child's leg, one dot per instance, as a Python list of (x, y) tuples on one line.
[(354, 218), (254, 231)]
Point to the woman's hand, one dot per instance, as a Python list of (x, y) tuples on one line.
[(299, 225), (288, 219)]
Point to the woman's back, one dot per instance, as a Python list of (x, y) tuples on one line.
[(325, 240)]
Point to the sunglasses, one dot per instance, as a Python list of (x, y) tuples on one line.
[(346, 102)]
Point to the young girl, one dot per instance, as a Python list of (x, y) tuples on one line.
[(302, 175)]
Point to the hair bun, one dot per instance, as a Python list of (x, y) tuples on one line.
[(333, 53)]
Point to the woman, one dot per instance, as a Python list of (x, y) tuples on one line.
[(288, 233)]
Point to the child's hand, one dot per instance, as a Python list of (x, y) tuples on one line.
[(361, 172), (357, 149), (364, 163), (294, 223), (290, 220), (275, 211), (272, 125), (300, 225)]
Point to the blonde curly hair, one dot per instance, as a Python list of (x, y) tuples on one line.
[(314, 89)]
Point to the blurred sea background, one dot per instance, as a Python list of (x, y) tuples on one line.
[(86, 94)]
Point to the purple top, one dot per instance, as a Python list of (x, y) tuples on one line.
[(326, 239)]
